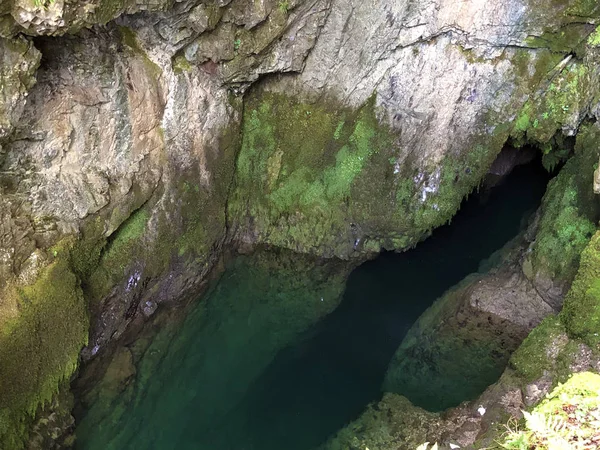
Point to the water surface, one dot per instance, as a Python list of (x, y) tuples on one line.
[(262, 363)]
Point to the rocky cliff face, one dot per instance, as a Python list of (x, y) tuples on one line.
[(160, 132)]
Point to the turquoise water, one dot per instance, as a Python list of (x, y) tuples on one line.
[(269, 361)]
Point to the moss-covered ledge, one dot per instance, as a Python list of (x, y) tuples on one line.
[(551, 347)]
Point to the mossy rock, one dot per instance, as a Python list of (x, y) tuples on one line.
[(308, 173), (568, 418), (560, 100), (39, 349), (393, 423), (569, 213), (537, 354), (581, 311)]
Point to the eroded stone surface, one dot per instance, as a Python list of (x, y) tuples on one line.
[(18, 62)]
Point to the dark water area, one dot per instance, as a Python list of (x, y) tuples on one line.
[(254, 368)]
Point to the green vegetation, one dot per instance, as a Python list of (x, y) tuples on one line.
[(284, 6), (305, 172), (531, 359), (545, 113), (563, 252), (130, 40), (43, 3), (569, 214), (39, 349), (299, 160), (116, 257), (568, 418), (552, 346), (383, 425), (181, 64), (565, 39), (581, 310), (594, 38)]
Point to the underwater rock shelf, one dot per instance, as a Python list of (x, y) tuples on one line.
[(286, 349)]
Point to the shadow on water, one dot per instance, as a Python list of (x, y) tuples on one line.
[(306, 391)]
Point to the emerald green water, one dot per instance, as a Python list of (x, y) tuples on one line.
[(269, 361)]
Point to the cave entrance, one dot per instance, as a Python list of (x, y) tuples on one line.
[(234, 377)]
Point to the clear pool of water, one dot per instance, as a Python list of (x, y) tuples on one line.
[(285, 349)]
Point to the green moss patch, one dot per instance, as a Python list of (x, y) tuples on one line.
[(40, 348), (534, 356), (306, 172), (569, 213), (390, 424), (564, 39), (581, 310), (130, 41), (122, 249), (566, 95)]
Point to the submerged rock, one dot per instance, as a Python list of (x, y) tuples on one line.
[(211, 356), (461, 344), (394, 422), (560, 346)]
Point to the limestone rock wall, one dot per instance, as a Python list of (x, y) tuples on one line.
[(159, 132), (440, 90)]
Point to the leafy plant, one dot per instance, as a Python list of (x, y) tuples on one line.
[(552, 157), (284, 6), (569, 419)]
